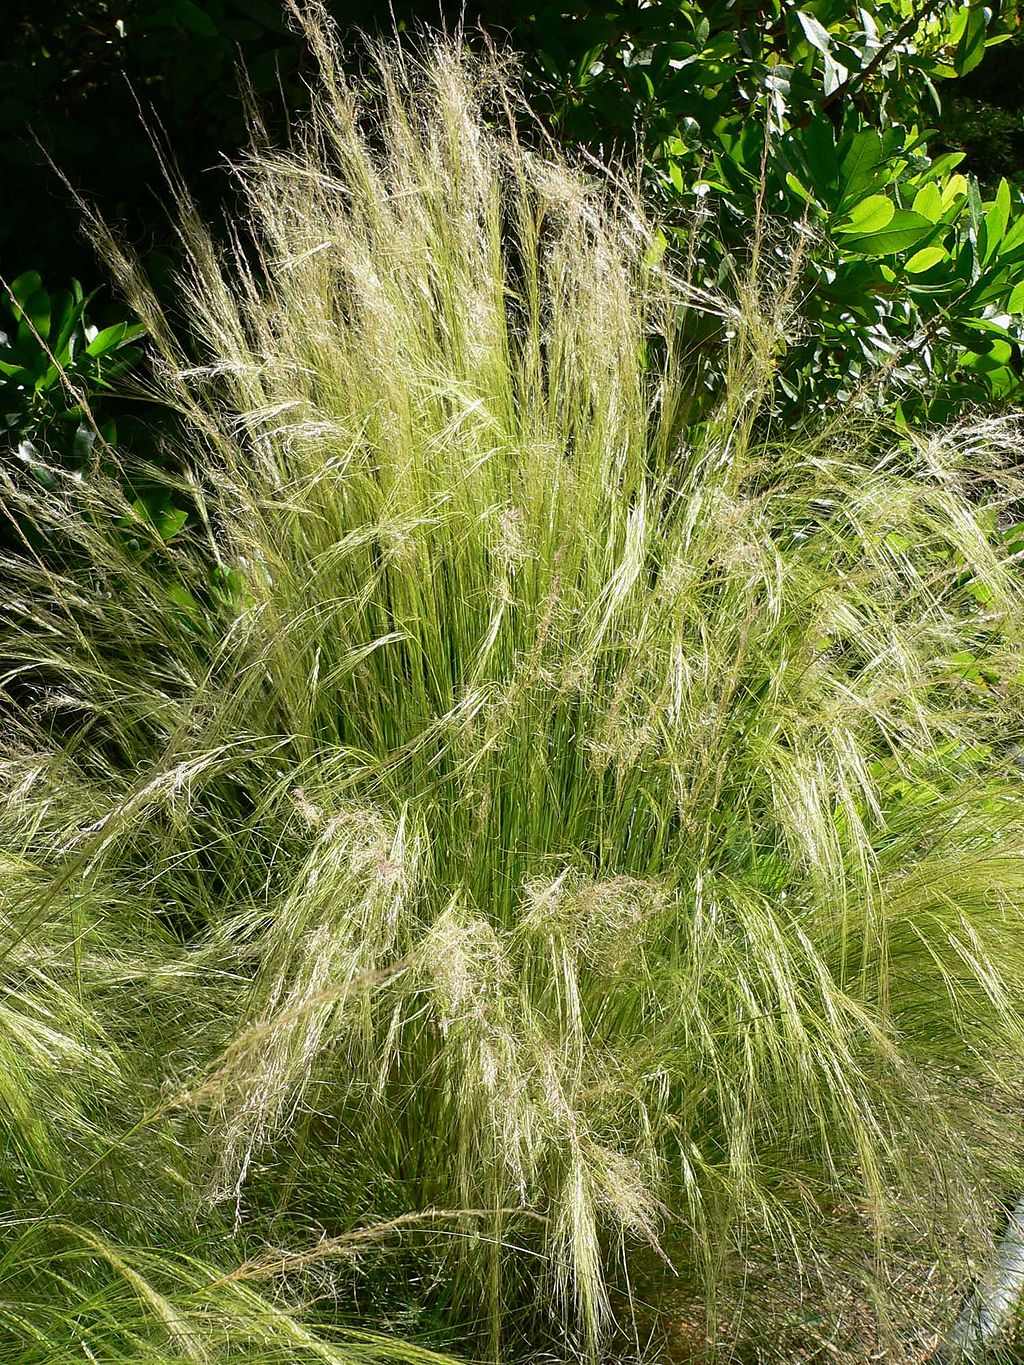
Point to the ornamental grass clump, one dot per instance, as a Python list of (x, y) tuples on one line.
[(505, 837)]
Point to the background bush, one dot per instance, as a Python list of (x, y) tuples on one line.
[(814, 121), (55, 367)]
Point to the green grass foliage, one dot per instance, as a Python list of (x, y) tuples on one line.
[(503, 838)]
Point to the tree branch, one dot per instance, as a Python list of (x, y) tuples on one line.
[(853, 83)]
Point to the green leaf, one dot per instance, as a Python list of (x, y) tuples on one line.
[(166, 519), (870, 215), (26, 285), (814, 31), (903, 231), (928, 202), (859, 167), (170, 522), (182, 598), (1014, 237), (956, 187), (835, 74), (107, 340), (971, 47), (974, 202), (194, 19), (924, 260), (35, 318), (941, 167), (1002, 199), (64, 317), (113, 337), (815, 146), (1015, 303), (996, 219)]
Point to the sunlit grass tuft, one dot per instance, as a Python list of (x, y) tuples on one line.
[(505, 829)]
